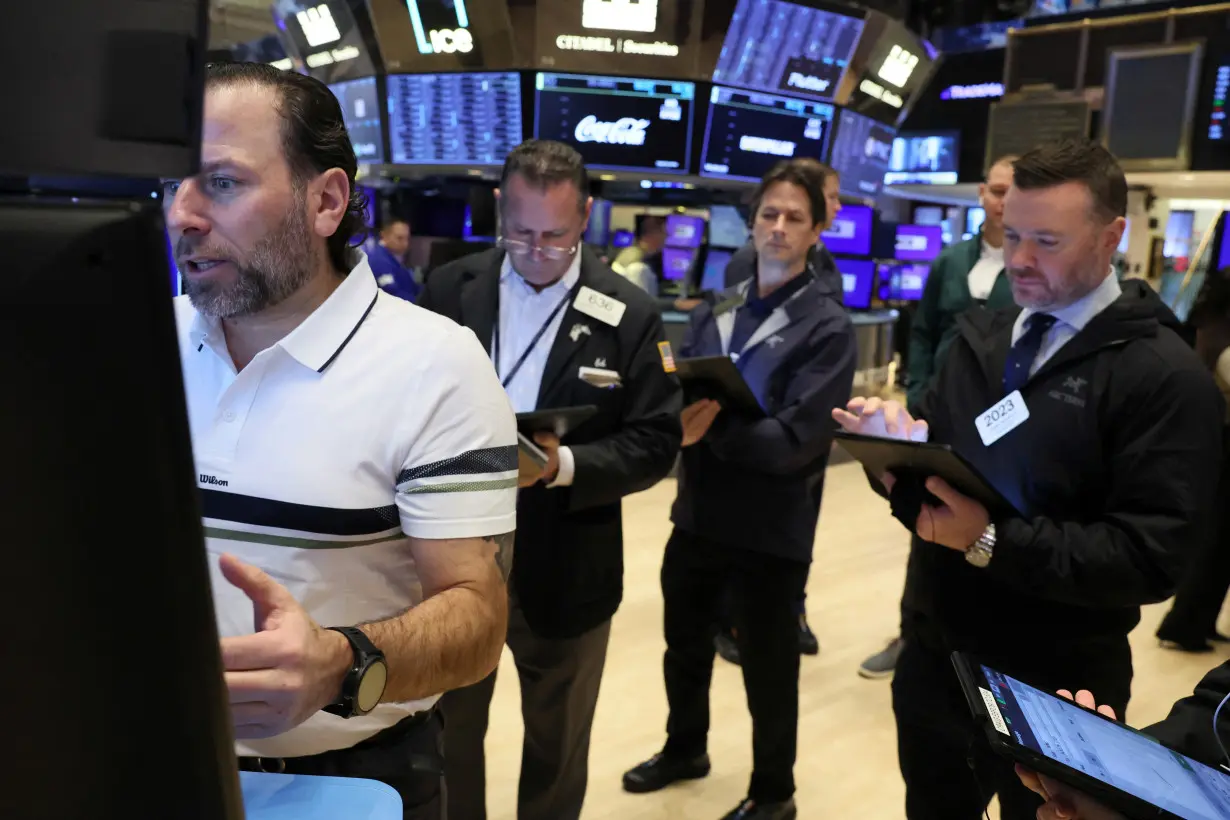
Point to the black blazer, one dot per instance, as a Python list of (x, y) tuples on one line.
[(568, 562)]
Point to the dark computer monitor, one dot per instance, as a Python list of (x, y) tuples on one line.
[(676, 262), (361, 107), (685, 231), (130, 716), (748, 132), (850, 232), (713, 277), (857, 282), (925, 158), (860, 155), (727, 227)]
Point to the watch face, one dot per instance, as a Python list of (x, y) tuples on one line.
[(371, 687)]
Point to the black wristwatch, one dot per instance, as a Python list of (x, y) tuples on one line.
[(364, 683)]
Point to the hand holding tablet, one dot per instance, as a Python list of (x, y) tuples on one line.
[(883, 419)]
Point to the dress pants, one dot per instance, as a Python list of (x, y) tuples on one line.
[(407, 756), (696, 573), (559, 691), (1202, 591), (949, 769)]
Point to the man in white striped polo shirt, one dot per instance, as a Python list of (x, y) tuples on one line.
[(356, 454)]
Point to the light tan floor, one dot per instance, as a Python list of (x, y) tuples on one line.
[(847, 750)]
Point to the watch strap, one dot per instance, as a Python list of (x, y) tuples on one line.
[(365, 654)]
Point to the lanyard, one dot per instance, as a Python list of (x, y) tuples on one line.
[(525, 354)]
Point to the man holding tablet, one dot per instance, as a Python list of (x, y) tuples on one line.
[(1090, 415)]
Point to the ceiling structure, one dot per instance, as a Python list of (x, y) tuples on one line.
[(238, 21)]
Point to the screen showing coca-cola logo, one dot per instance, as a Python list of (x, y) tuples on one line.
[(618, 123)]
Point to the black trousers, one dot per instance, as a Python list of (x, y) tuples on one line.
[(559, 693), (695, 576), (1202, 591), (950, 772), (408, 756)]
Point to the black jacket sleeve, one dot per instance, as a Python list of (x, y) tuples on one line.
[(1188, 729), (643, 451), (802, 430), (1164, 452)]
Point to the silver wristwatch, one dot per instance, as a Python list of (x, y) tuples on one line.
[(980, 552)]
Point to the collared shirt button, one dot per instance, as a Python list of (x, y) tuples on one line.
[(228, 416)]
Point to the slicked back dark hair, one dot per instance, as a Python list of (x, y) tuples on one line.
[(543, 163), (1075, 160), (808, 174), (314, 138)]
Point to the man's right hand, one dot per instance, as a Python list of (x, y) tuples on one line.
[(876, 417), (1064, 802), (697, 418)]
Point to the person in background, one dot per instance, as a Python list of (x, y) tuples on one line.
[(749, 495), (550, 311), (357, 457), (1189, 729), (647, 250), (387, 257), (967, 274), (1091, 415), (1192, 621), (742, 266)]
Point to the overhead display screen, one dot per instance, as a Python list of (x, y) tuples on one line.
[(776, 46), (454, 119), (924, 159), (322, 34), (360, 101), (861, 151), (646, 37), (618, 123), (748, 132), (442, 35)]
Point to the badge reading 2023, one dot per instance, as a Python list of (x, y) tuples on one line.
[(1004, 416)]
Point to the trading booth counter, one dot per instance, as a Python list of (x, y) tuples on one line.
[(297, 797), (872, 328)]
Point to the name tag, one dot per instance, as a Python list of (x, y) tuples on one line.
[(1004, 417), (600, 306)]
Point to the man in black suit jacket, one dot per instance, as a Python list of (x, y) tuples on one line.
[(545, 309)]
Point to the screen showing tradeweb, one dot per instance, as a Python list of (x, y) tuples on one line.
[(749, 132), (618, 123), (773, 45)]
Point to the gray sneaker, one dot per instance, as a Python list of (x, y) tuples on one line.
[(881, 664)]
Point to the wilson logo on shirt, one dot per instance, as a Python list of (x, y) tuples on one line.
[(214, 481)]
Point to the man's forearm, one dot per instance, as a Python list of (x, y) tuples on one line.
[(452, 639)]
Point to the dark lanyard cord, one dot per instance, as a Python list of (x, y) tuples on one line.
[(495, 342)]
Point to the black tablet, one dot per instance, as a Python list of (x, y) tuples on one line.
[(561, 421), (1114, 764), (887, 455), (717, 377)]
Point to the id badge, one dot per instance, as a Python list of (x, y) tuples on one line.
[(1004, 416)]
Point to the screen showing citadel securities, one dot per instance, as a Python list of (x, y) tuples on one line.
[(360, 101), (454, 119), (749, 132), (618, 123), (776, 46), (642, 37), (861, 152)]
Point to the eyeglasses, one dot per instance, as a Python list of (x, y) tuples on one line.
[(519, 248)]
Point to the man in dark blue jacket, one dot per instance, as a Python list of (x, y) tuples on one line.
[(749, 495), (386, 256)]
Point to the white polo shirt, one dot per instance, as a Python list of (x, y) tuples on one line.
[(372, 421)]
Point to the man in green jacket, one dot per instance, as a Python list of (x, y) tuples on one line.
[(966, 274)]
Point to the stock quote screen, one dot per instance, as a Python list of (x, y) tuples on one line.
[(618, 123), (454, 119), (360, 102), (747, 132)]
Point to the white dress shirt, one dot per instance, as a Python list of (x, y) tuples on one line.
[(985, 271), (523, 310), (1070, 320)]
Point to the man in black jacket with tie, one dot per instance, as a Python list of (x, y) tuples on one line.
[(547, 309)]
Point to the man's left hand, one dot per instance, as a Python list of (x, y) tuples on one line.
[(549, 442), (957, 523), (289, 669)]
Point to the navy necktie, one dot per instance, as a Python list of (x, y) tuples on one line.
[(1022, 355)]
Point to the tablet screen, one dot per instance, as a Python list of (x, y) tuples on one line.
[(1106, 751)]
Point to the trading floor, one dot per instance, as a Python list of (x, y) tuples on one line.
[(847, 763)]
